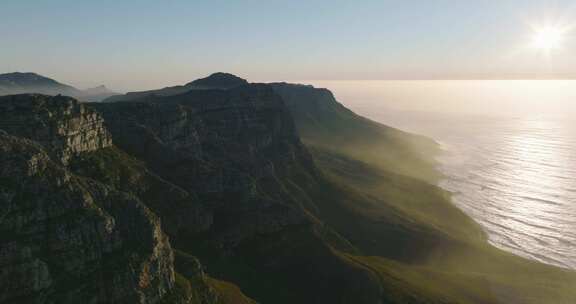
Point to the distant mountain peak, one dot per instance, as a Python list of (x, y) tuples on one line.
[(98, 89), (28, 82), (219, 80)]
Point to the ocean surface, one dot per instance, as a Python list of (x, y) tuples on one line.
[(510, 152)]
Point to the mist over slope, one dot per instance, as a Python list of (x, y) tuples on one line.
[(223, 191)]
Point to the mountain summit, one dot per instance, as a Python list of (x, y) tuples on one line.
[(219, 80)]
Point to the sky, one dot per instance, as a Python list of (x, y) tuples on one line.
[(142, 44)]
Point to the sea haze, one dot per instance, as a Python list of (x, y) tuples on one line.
[(510, 152)]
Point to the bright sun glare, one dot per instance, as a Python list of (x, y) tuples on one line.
[(548, 38)]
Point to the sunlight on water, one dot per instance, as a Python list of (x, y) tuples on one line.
[(510, 154)]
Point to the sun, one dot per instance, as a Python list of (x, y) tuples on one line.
[(549, 38)]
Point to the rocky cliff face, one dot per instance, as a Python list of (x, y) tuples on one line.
[(63, 126), (217, 144), (67, 238)]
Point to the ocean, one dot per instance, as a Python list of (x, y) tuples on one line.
[(509, 152)]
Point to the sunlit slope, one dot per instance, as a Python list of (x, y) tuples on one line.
[(322, 121), (421, 245)]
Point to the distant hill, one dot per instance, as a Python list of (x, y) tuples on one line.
[(18, 83), (22, 83)]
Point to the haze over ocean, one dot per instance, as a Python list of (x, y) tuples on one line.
[(510, 152)]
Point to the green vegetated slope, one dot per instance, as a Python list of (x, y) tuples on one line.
[(422, 248)]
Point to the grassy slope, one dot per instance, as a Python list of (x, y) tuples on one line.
[(424, 249), (380, 196)]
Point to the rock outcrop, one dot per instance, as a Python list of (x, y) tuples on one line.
[(62, 125), (67, 239)]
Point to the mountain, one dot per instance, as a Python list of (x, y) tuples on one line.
[(239, 193), (19, 83)]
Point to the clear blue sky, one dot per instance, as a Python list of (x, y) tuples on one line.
[(145, 44)]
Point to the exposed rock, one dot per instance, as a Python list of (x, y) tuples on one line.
[(62, 125), (71, 240)]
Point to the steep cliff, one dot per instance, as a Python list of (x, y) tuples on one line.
[(216, 144), (63, 126), (65, 238)]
